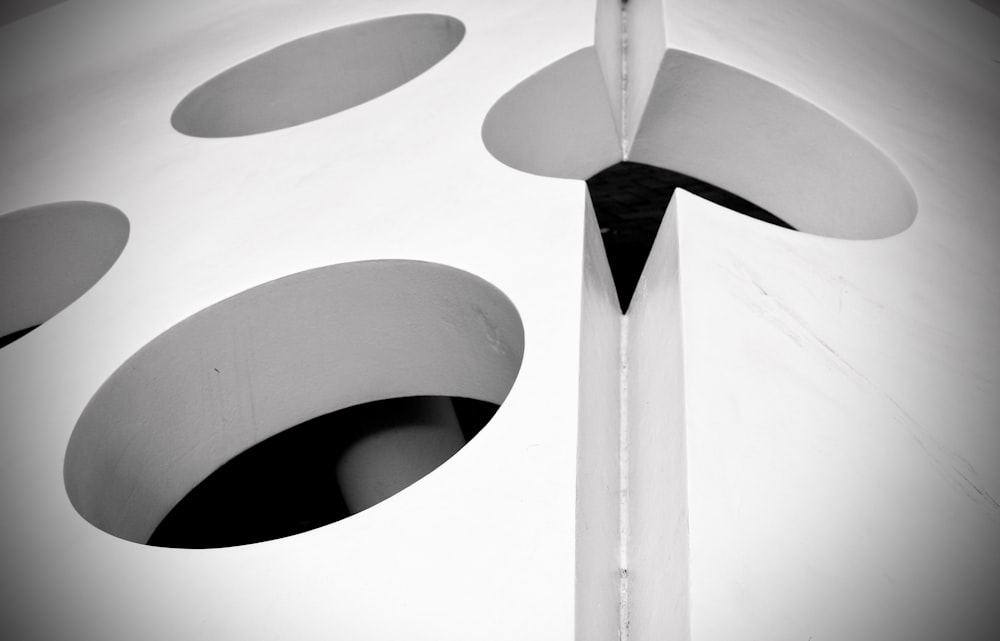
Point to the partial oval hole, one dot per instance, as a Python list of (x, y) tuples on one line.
[(218, 392), (725, 128), (50, 255), (557, 122), (317, 76)]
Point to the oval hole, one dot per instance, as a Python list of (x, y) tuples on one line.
[(317, 76), (730, 131), (210, 402), (50, 255)]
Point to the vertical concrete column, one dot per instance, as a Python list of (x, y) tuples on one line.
[(658, 550), (394, 444), (630, 39), (599, 568)]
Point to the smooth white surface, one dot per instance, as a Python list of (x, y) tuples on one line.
[(843, 405), (658, 530), (824, 500), (842, 397), (483, 543), (598, 487)]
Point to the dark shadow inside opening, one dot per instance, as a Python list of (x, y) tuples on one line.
[(283, 485), (630, 199), (13, 336)]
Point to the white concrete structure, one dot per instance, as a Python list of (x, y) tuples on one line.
[(790, 435)]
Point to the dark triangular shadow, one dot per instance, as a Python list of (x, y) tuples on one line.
[(629, 200), (13, 336)]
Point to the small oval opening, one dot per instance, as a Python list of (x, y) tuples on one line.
[(317, 76)]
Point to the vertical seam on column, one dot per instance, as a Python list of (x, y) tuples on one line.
[(624, 108), (623, 463), (623, 484)]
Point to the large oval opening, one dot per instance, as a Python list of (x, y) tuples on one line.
[(711, 124), (213, 398)]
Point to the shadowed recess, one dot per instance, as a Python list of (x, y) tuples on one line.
[(287, 484), (629, 200), (317, 76)]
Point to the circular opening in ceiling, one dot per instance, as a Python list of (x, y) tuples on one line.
[(714, 124), (317, 76), (50, 255), (320, 352)]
